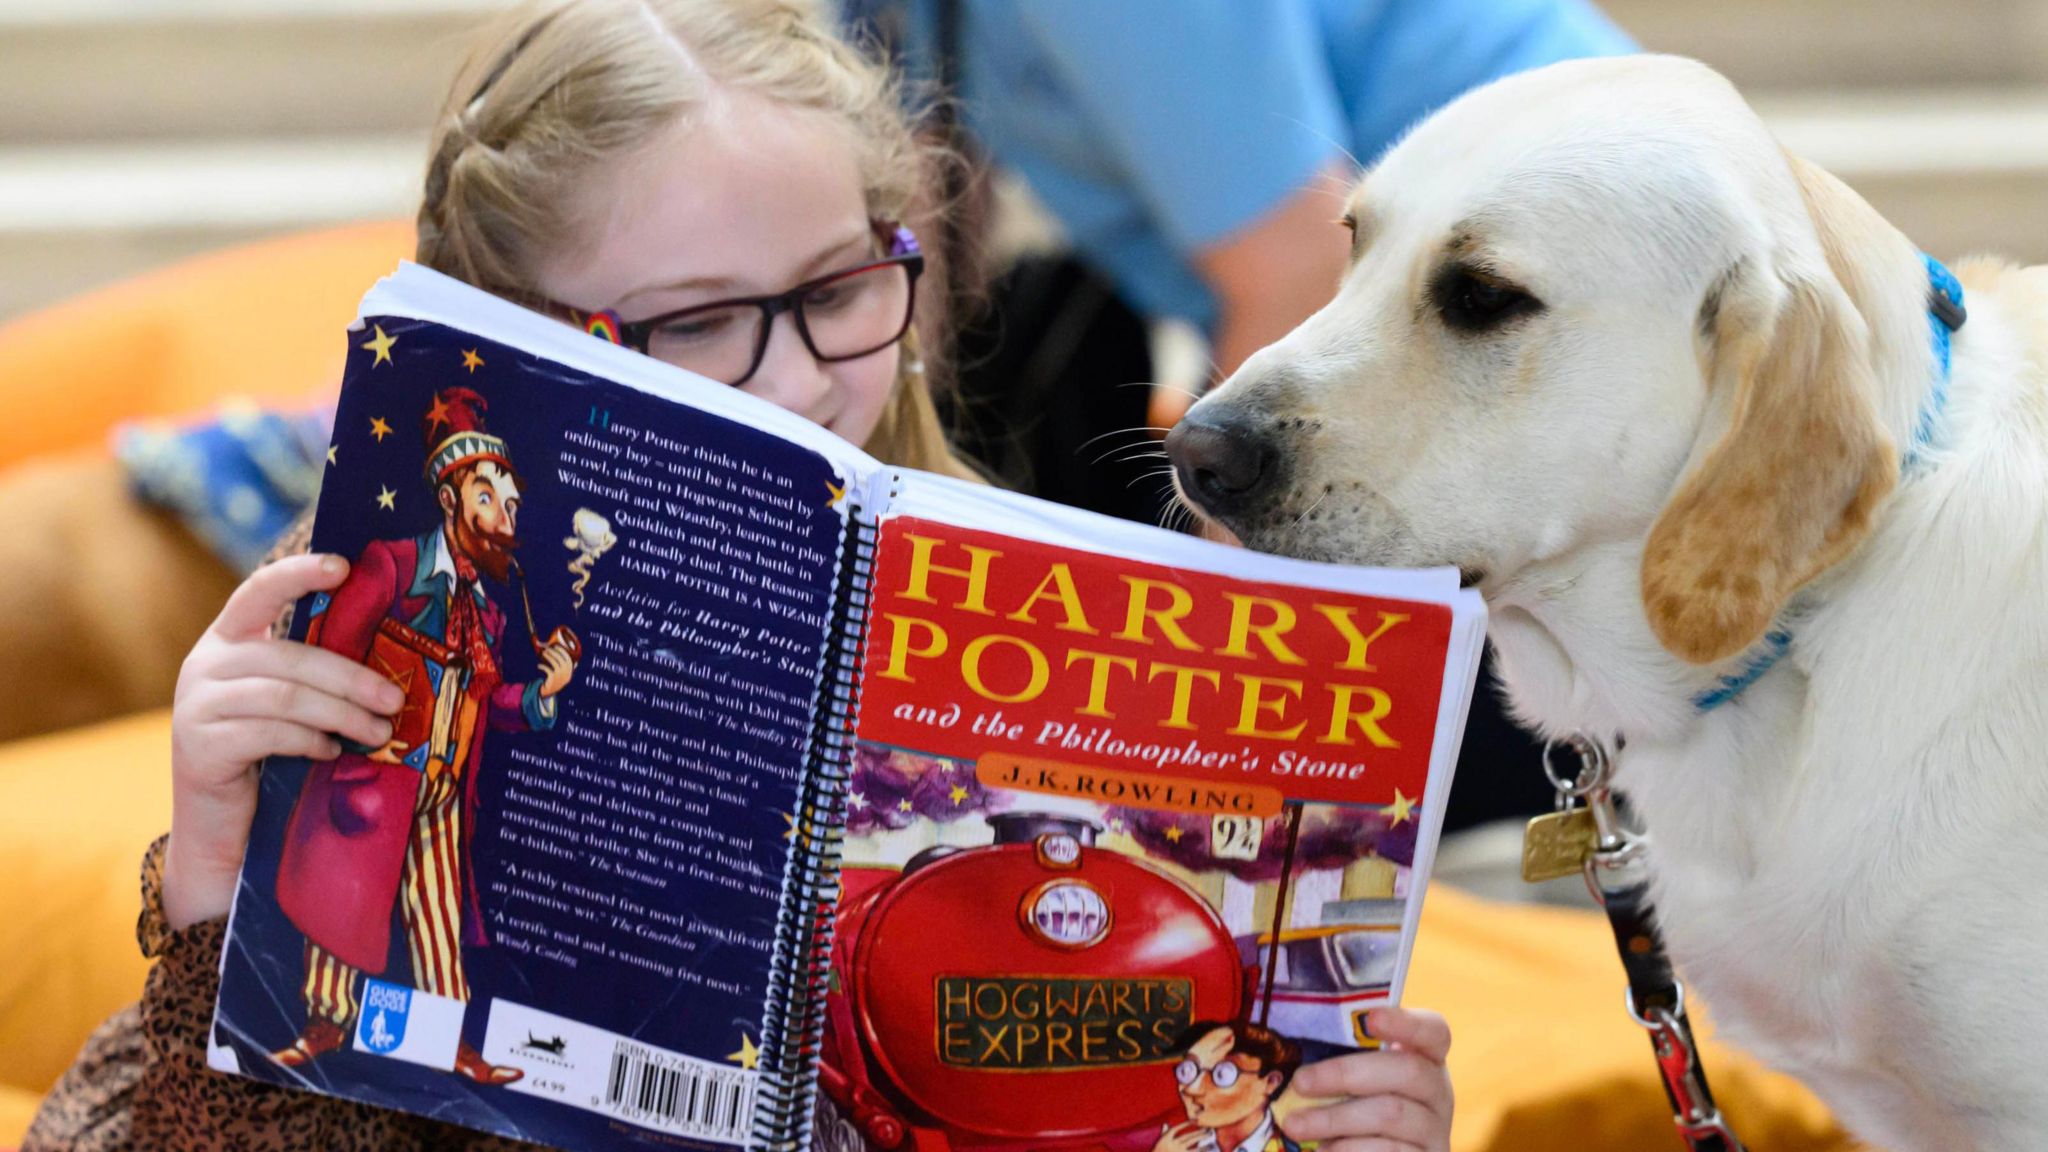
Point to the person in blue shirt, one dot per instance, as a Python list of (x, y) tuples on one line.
[(1196, 151)]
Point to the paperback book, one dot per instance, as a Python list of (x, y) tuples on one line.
[(750, 792)]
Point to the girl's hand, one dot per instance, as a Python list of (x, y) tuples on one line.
[(1397, 1099), (242, 696)]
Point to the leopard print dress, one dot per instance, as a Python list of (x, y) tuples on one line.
[(141, 1082)]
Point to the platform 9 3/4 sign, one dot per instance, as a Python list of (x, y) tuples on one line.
[(1235, 837)]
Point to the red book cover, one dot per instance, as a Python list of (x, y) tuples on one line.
[(1109, 816)]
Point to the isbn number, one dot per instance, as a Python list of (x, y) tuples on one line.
[(676, 1094)]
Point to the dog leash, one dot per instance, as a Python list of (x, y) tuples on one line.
[(1586, 835)]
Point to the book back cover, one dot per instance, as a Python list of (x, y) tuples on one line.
[(546, 908)]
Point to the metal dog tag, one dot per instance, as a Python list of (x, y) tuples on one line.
[(1558, 845)]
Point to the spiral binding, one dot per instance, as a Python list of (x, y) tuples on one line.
[(794, 1031)]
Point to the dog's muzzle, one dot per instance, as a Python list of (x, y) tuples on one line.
[(1225, 465)]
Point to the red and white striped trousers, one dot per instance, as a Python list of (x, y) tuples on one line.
[(430, 898)]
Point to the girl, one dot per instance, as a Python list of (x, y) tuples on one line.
[(643, 157)]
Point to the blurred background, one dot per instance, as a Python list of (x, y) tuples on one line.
[(134, 132)]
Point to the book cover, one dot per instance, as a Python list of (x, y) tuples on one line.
[(1112, 821)]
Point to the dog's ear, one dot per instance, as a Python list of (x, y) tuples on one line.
[(1792, 483)]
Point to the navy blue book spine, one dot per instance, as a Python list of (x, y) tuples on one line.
[(798, 986)]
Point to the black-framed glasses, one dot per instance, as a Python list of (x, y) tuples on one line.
[(840, 316)]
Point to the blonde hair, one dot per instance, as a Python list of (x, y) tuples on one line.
[(557, 88)]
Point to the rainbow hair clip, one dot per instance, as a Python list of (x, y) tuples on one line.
[(605, 326)]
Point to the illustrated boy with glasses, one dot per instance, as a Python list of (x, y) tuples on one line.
[(1229, 1078)]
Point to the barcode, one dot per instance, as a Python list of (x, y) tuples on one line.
[(678, 1094)]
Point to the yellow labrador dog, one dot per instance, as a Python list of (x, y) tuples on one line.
[(1675, 402)]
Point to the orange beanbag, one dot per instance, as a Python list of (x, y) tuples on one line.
[(105, 596), (263, 322), (1545, 1059), (76, 812)]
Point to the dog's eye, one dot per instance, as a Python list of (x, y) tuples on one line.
[(1473, 301)]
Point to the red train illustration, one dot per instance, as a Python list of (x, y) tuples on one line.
[(1022, 994)]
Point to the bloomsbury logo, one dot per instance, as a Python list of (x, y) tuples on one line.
[(545, 1048)]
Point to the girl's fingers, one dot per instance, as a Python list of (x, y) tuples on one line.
[(1378, 1144), (244, 742), (1415, 1029), (316, 668), (269, 590), (1391, 1072), (1395, 1118), (261, 699)]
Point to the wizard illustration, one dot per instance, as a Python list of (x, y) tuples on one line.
[(389, 828)]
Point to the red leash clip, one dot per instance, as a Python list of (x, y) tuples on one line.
[(1697, 1118)]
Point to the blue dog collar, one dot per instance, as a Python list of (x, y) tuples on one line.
[(1945, 314)]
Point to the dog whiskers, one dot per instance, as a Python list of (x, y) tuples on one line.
[(1155, 474), (1148, 438), (1143, 452), (1182, 389), (1176, 517), (1304, 512), (1331, 183), (1133, 429)]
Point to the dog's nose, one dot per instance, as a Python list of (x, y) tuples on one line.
[(1223, 465)]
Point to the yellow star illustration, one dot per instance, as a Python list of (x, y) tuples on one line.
[(330, 453), (380, 428), (748, 1056), (471, 360), (1173, 833), (387, 499), (957, 794), (381, 346), (1400, 811), (837, 492), (438, 414), (903, 805), (791, 821)]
